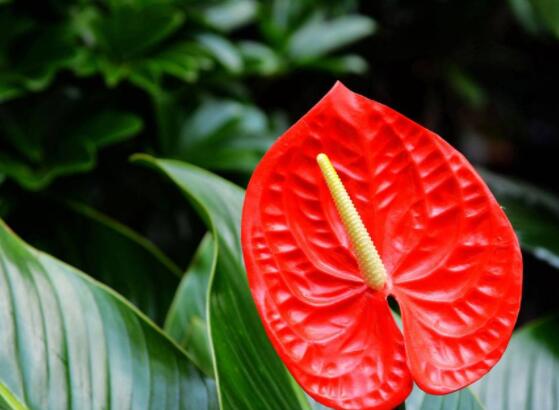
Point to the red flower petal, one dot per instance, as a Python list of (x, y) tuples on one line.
[(459, 282), (450, 254)]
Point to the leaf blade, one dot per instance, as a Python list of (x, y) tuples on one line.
[(249, 373), (97, 350), (526, 376), (186, 320)]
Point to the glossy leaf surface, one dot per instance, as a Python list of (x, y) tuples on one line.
[(318, 36), (526, 377), (68, 342), (452, 258), (249, 373), (107, 250), (219, 134), (187, 321)]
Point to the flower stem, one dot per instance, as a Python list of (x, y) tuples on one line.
[(365, 251)]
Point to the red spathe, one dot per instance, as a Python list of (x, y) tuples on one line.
[(451, 255)]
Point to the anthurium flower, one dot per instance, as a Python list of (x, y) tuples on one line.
[(354, 203)]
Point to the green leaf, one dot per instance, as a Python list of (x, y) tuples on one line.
[(186, 320), (9, 91), (534, 214), (183, 60), (108, 251), (260, 59), (537, 16), (318, 36), (249, 373), (526, 376), (224, 52), (135, 42), (348, 64), (128, 31), (467, 87), (51, 50), (31, 55), (219, 134), (8, 401), (525, 14), (67, 341), (548, 13), (231, 14), (58, 133), (109, 127), (461, 400)]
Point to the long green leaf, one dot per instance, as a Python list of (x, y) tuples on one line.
[(318, 36), (106, 250), (186, 320), (249, 373), (69, 342), (527, 375)]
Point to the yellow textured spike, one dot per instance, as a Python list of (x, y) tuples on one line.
[(366, 253)]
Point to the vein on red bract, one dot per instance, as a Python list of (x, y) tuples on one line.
[(452, 259)]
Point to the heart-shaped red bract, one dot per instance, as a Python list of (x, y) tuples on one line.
[(452, 258)]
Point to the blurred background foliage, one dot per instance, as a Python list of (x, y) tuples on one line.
[(85, 84)]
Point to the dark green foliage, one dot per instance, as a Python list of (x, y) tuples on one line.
[(84, 84)]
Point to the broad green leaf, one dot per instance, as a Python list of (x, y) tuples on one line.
[(50, 50), (108, 251), (230, 14), (127, 31), (249, 373), (223, 50), (186, 320), (260, 59), (348, 64), (280, 18), (130, 41), (218, 134), (31, 54), (58, 133), (225, 135), (67, 341), (526, 376), (319, 36), (461, 400), (183, 60), (537, 16), (534, 214), (8, 401), (525, 14)]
